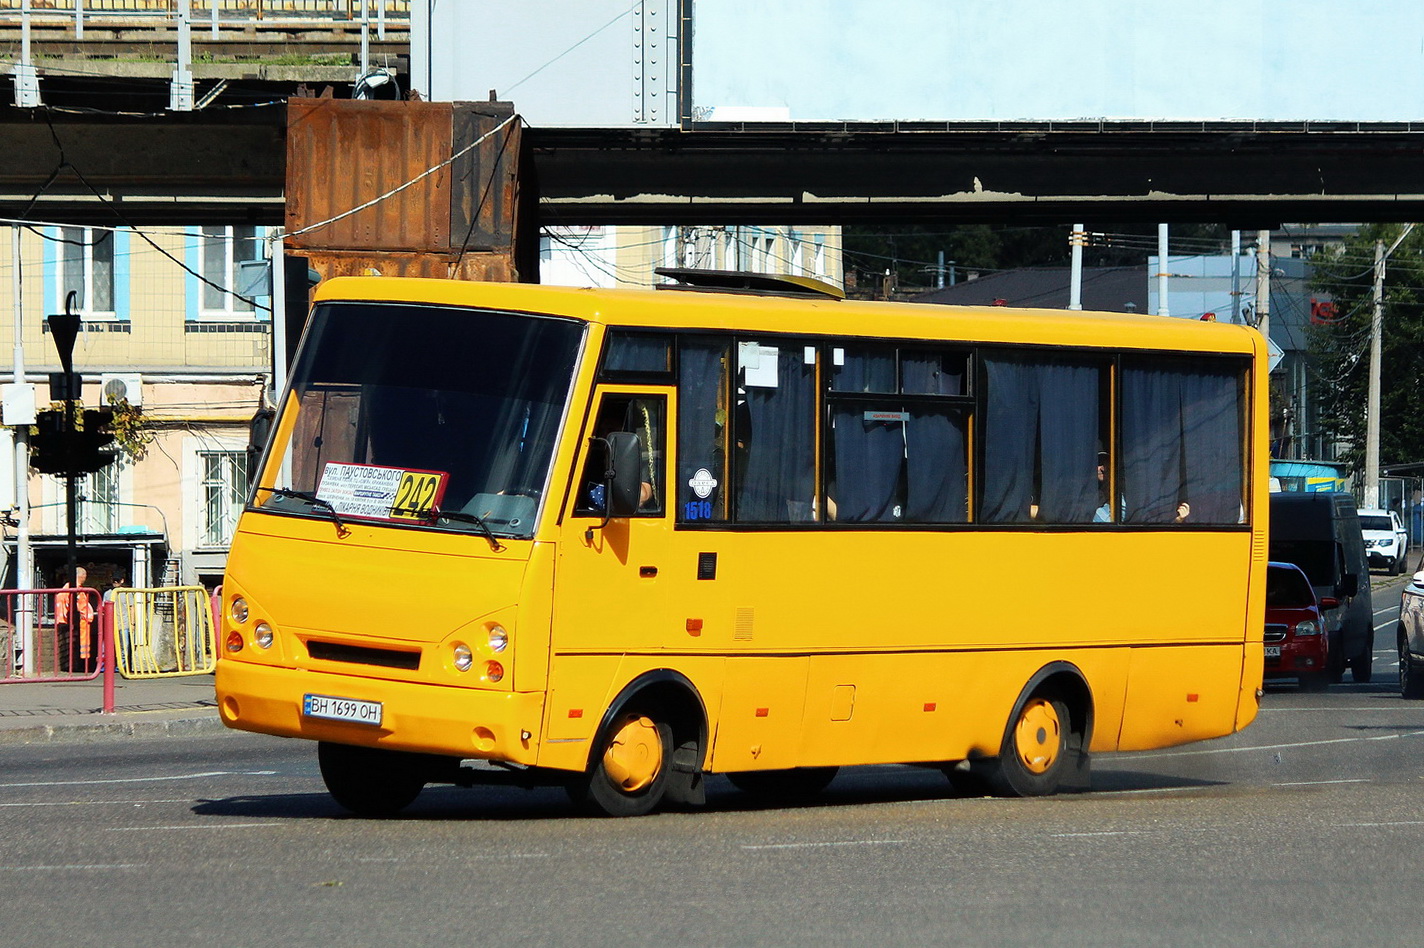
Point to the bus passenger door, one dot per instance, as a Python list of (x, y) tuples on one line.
[(610, 588)]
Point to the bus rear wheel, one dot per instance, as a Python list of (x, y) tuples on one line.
[(629, 775), (371, 781), (1034, 754)]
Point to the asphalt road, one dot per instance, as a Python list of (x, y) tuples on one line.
[(1306, 829)]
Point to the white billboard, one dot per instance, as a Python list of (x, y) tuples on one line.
[(615, 63)]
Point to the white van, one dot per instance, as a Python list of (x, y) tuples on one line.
[(1386, 540)]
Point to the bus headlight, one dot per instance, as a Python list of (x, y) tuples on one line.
[(1308, 627), (262, 635), (498, 639), (464, 658), (238, 610)]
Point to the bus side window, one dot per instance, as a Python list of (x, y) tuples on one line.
[(702, 411), (644, 416), (775, 428), (1182, 442), (1042, 435)]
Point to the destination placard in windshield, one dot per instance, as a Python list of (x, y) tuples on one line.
[(371, 492)]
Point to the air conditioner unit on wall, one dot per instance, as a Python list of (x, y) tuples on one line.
[(129, 388)]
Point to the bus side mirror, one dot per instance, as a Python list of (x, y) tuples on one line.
[(1349, 585), (624, 488)]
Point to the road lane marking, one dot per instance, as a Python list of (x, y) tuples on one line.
[(1395, 823), (848, 842), (86, 783), (86, 867), (1377, 708), (202, 826), (1101, 833), (1319, 783), (1272, 747), (97, 802)]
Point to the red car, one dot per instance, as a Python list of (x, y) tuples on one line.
[(1295, 645)]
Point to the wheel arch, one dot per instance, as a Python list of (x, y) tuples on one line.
[(1065, 681), (674, 694)]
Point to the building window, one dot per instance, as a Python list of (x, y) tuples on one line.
[(85, 266), (224, 488), (223, 248), (99, 512)]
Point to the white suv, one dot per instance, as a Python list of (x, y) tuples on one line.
[(1386, 540)]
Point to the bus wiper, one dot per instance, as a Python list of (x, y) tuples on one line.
[(473, 519), (315, 501)]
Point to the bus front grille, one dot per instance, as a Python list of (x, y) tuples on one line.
[(363, 655)]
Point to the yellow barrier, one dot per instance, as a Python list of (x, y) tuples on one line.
[(164, 632)]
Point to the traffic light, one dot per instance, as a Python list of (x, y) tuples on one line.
[(47, 447), (72, 451)]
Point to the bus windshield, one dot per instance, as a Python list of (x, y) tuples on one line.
[(423, 415)]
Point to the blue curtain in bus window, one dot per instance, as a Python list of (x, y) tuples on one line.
[(1068, 442), (868, 449), (1181, 443), (1040, 441), (701, 432), (864, 370), (936, 466), (1211, 445), (775, 435), (1010, 440), (867, 442), (932, 373)]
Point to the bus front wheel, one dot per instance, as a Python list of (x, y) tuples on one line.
[(371, 781), (1034, 755), (629, 775)]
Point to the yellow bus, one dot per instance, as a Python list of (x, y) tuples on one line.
[(623, 540)]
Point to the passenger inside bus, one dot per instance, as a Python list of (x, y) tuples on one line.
[(644, 418)]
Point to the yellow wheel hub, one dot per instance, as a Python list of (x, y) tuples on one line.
[(634, 756), (1037, 736)]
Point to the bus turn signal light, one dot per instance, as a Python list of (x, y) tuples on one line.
[(494, 671), (234, 641)]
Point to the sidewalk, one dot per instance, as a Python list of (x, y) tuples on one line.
[(37, 712)]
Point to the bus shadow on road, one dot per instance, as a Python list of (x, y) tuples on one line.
[(484, 804)]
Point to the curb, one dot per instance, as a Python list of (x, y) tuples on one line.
[(101, 727)]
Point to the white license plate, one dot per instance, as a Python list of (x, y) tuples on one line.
[(1272, 651), (341, 709)]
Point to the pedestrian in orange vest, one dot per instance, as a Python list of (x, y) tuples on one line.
[(78, 644)]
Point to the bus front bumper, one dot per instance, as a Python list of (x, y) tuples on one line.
[(467, 723)]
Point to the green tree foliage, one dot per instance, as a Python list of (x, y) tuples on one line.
[(1340, 345)]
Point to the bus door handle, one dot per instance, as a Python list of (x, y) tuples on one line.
[(647, 572)]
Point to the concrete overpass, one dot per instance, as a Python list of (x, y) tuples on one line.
[(229, 164)]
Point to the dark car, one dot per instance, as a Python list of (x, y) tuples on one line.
[(1320, 533), (1296, 644), (1410, 638)]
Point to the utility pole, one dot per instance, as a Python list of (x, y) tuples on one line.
[(1370, 494), (1236, 276), (1162, 308), (20, 414), (1263, 282), (1075, 280)]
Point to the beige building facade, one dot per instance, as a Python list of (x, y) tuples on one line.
[(177, 322), (626, 256)]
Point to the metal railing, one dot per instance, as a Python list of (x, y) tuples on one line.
[(49, 635), (227, 9), (164, 632)]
